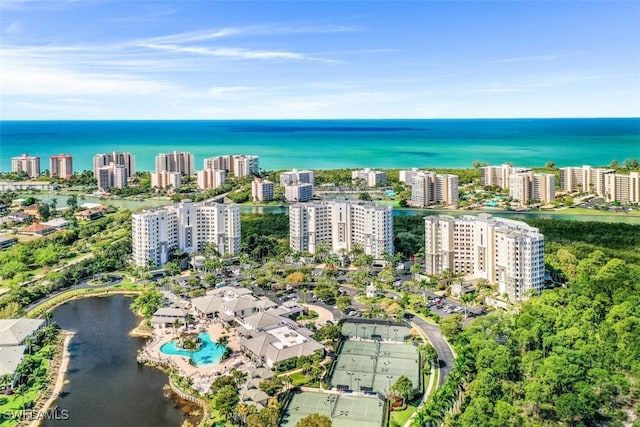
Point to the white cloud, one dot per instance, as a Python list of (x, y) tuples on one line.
[(534, 58), (22, 79), (233, 53), (254, 30)]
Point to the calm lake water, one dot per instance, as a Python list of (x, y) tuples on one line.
[(107, 386)]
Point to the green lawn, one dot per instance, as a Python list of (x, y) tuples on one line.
[(298, 379), (401, 417)]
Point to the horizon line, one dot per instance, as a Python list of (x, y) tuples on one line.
[(323, 119)]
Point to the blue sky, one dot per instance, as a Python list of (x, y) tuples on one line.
[(98, 59)]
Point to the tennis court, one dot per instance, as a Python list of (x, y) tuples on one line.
[(344, 410), (365, 366), (370, 331)]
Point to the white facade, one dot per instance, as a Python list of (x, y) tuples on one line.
[(623, 188), (238, 165), (262, 190), (112, 176), (123, 159), (298, 192), (370, 177), (181, 162), (502, 251), (61, 166), (526, 187), (498, 176), (407, 175), (341, 224), (166, 179), (208, 179), (294, 176), (585, 179), (27, 164), (428, 188), (186, 226)]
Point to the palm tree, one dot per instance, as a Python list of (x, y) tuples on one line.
[(243, 410), (190, 344), (466, 299)]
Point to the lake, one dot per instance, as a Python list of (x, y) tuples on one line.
[(106, 385)]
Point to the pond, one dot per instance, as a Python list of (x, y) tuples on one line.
[(106, 386)]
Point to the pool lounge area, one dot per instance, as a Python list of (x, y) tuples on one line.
[(209, 353)]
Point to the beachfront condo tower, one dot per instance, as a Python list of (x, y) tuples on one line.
[(61, 166), (26, 164)]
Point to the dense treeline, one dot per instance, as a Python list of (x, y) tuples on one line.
[(264, 235), (408, 233), (609, 235), (572, 355)]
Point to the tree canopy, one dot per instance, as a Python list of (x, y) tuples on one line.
[(315, 420)]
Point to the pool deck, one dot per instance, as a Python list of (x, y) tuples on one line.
[(202, 376)]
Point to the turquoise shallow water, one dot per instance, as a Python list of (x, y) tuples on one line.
[(209, 353), (329, 144)]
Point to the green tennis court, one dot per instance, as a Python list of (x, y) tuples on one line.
[(344, 410), (373, 366), (370, 331)]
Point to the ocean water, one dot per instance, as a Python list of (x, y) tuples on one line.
[(329, 144)]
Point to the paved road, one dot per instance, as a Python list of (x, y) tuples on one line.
[(440, 344), (84, 284)]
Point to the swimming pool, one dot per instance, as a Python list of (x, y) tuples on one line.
[(210, 352)]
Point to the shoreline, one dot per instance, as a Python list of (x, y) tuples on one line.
[(140, 331), (61, 374)]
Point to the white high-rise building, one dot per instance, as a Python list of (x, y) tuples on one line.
[(123, 159), (623, 188), (295, 175), (341, 224), (428, 188), (186, 226), (298, 192), (61, 166), (529, 186), (208, 179), (27, 164), (238, 165), (585, 179), (370, 177), (498, 176), (504, 252), (178, 161), (262, 190), (407, 175), (166, 179), (112, 176)]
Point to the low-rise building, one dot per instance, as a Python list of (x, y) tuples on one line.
[(282, 342), (7, 241), (37, 229)]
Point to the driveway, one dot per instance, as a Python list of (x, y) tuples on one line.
[(323, 313)]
